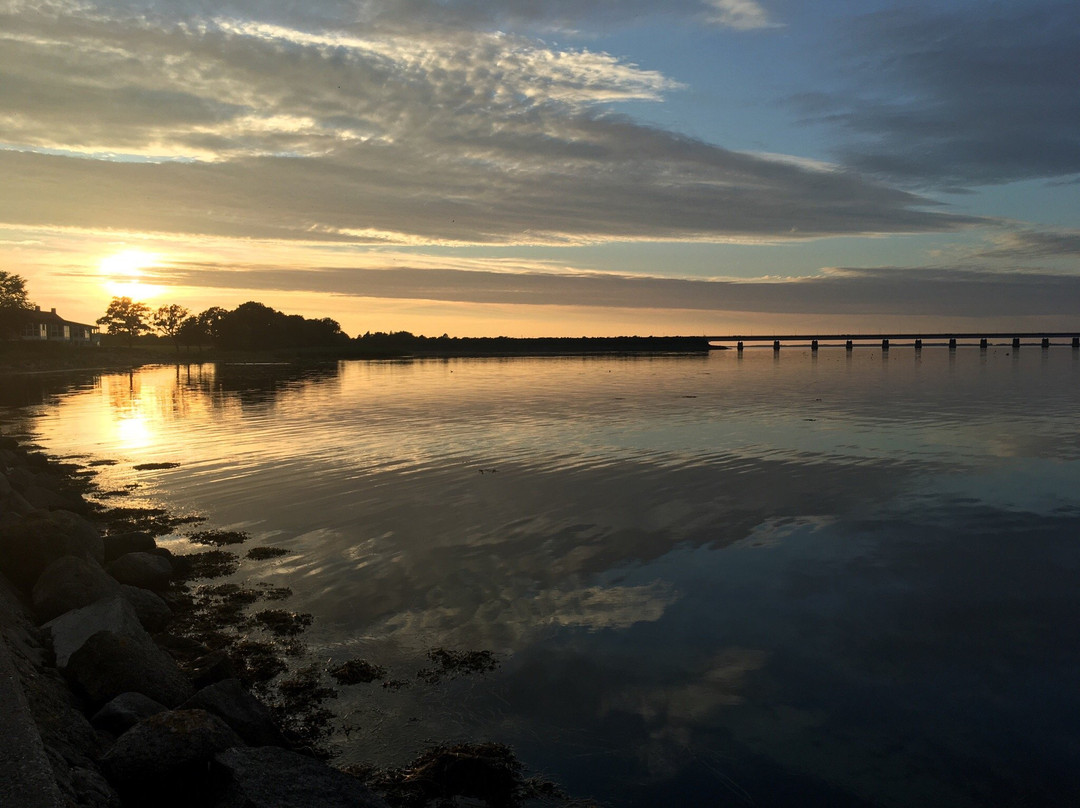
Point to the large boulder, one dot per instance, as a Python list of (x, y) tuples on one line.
[(154, 613), (146, 570), (239, 709), (70, 630), (162, 760), (109, 664), (125, 711), (28, 545), (49, 500), (122, 543), (71, 582), (270, 777), (210, 668), (15, 504)]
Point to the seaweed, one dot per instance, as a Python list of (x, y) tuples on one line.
[(281, 622), (452, 664), (155, 521), (263, 553), (488, 772), (218, 538), (154, 466), (358, 671), (208, 564)]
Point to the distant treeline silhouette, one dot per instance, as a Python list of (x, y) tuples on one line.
[(254, 326), (405, 342)]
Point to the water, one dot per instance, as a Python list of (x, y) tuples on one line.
[(831, 579)]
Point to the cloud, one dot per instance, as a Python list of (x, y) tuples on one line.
[(1037, 244), (947, 291), (980, 94), (265, 128), (740, 14)]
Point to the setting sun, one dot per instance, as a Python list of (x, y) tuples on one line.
[(123, 273)]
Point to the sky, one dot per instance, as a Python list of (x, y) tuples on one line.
[(560, 168)]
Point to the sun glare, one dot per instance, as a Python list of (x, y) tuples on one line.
[(123, 273)]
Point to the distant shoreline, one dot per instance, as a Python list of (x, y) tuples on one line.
[(25, 358)]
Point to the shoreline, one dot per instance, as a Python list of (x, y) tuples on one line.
[(214, 670), (19, 358)]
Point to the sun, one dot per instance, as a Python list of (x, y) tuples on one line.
[(123, 272)]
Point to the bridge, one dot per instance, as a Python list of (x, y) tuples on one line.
[(885, 339)]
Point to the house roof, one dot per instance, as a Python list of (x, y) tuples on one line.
[(38, 316)]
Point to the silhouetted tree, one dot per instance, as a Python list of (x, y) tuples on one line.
[(168, 320), (210, 321), (253, 326), (13, 301), (192, 332), (126, 317)]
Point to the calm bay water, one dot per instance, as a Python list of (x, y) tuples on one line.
[(832, 579)]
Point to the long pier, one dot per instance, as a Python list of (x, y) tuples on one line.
[(885, 339)]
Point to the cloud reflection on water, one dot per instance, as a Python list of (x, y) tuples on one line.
[(851, 577)]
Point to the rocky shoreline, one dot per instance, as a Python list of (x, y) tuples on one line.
[(112, 703), (129, 678)]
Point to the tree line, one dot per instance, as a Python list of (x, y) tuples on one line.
[(250, 326), (13, 300)]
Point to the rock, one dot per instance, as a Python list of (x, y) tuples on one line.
[(154, 613), (30, 544), (5, 485), (239, 709), (162, 759), (123, 543), (15, 503), (69, 583), (182, 649), (269, 777), (125, 711), (21, 478), (109, 664), (210, 668), (146, 570), (49, 500), (70, 630)]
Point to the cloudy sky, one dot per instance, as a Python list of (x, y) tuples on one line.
[(565, 167)]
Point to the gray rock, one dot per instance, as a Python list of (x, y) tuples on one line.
[(109, 664), (5, 486), (70, 630), (123, 543), (269, 777), (15, 503), (239, 709), (21, 478), (154, 613), (164, 755), (30, 544), (69, 583), (50, 500), (146, 570), (125, 711), (207, 669)]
